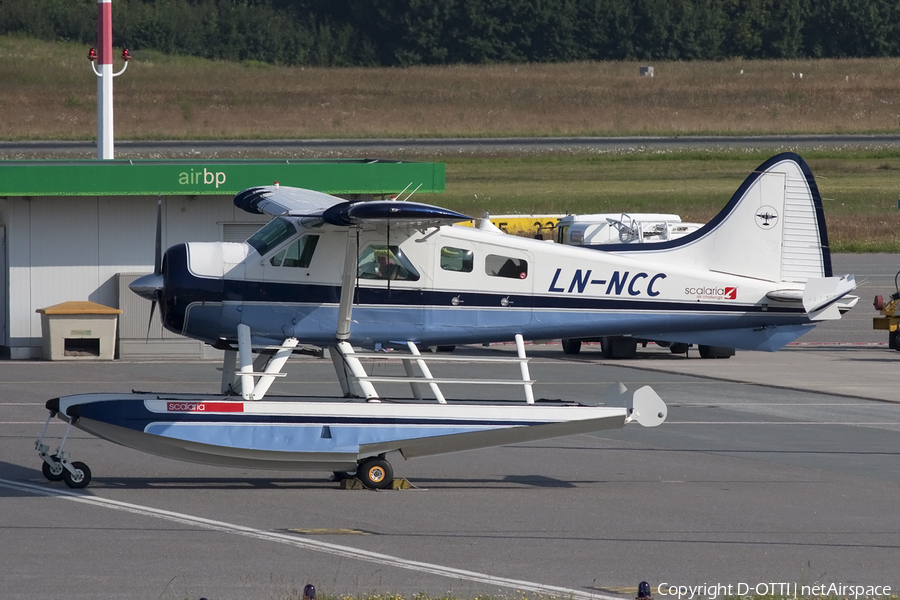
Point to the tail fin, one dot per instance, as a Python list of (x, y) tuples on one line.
[(773, 229)]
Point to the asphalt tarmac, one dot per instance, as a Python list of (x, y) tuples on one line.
[(771, 468)]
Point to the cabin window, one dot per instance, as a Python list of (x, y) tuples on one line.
[(457, 259), (385, 262), (272, 235), (297, 254), (505, 266)]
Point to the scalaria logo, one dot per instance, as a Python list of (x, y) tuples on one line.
[(724, 293), (185, 406)]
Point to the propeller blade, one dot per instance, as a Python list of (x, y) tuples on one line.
[(157, 262), (150, 320)]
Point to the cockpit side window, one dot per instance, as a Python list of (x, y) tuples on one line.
[(272, 235), (297, 254), (503, 266), (457, 259), (385, 262)]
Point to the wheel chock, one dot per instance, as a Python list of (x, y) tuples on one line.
[(352, 483), (400, 484)]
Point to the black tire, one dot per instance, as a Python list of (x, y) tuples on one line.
[(571, 346), (894, 340), (446, 348), (678, 348), (52, 473), (341, 475), (619, 347), (78, 481), (606, 347), (715, 352), (375, 473)]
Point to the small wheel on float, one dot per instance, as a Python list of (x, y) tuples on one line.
[(375, 473), (54, 473), (80, 479)]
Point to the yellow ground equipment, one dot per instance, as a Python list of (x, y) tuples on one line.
[(890, 319)]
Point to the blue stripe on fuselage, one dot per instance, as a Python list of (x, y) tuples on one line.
[(277, 310)]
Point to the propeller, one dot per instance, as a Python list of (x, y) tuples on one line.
[(150, 286)]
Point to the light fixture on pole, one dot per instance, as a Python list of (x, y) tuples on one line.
[(103, 56)]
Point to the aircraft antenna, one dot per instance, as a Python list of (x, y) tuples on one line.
[(356, 287), (412, 192), (389, 273), (397, 197)]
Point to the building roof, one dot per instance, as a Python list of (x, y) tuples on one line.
[(214, 177)]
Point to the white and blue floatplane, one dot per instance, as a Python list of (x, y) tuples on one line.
[(345, 276)]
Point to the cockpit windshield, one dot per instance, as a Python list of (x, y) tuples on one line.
[(272, 235)]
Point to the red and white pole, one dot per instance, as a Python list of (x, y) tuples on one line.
[(104, 81)]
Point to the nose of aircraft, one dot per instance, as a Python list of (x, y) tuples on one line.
[(148, 286)]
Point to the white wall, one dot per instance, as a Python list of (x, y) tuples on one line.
[(71, 248)]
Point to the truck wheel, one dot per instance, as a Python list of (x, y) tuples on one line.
[(894, 339), (715, 352), (619, 347), (571, 346)]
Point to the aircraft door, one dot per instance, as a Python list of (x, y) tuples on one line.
[(479, 285), (389, 287), (454, 299), (507, 287)]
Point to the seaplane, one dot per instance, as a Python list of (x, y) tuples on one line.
[(361, 277)]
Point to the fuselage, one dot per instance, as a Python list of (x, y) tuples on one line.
[(453, 285)]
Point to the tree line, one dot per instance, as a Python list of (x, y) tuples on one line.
[(413, 32)]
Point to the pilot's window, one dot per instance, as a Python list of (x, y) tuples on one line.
[(504, 266), (385, 262), (272, 235), (297, 254), (457, 259)]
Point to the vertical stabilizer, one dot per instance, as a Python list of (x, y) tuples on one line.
[(772, 229)]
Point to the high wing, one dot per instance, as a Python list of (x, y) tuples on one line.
[(277, 201)]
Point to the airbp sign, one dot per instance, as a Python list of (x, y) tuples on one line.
[(141, 177), (204, 177)]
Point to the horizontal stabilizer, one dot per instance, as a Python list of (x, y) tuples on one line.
[(821, 293)]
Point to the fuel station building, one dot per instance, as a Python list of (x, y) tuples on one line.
[(82, 230)]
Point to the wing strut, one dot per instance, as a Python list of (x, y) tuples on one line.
[(345, 308)]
